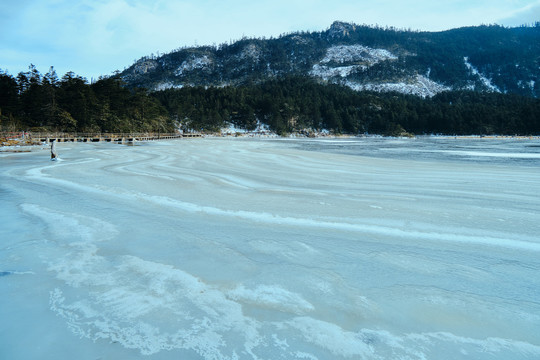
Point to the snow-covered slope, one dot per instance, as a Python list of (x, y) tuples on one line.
[(419, 86), (343, 60), (194, 63), (484, 80), (340, 62), (356, 53), (327, 72)]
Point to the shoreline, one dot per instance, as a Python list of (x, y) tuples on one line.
[(20, 145), (373, 136), (27, 145)]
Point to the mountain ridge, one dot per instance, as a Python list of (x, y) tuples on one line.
[(484, 58)]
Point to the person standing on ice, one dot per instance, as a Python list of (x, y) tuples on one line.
[(54, 154)]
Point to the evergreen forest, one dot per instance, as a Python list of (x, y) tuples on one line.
[(35, 102), (295, 103)]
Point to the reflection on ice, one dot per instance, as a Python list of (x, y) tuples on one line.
[(251, 249)]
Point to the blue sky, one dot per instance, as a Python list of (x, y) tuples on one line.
[(97, 37)]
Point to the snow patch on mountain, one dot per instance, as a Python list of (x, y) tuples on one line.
[(193, 63), (419, 86), (326, 72), (251, 51), (341, 61), (144, 66), (300, 40), (233, 130), (526, 84), (356, 53), (483, 79), (167, 85)]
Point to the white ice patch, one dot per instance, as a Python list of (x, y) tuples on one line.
[(380, 344), (273, 297), (273, 219), (269, 218), (332, 337), (132, 301), (70, 228), (498, 346), (506, 155)]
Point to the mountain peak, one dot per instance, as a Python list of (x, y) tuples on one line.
[(340, 29)]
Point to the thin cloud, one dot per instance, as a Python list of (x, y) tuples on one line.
[(528, 14)]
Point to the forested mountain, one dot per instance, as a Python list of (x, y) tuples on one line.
[(36, 102), (484, 58)]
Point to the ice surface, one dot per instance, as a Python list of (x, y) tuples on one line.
[(361, 248)]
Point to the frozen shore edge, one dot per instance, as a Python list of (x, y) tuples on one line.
[(24, 145)]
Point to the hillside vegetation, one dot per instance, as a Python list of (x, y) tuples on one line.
[(297, 103), (32, 101)]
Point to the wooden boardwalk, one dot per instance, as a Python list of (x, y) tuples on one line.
[(107, 137)]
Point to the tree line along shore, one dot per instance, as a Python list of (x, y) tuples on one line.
[(46, 103)]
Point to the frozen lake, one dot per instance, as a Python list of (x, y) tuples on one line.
[(210, 249)]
